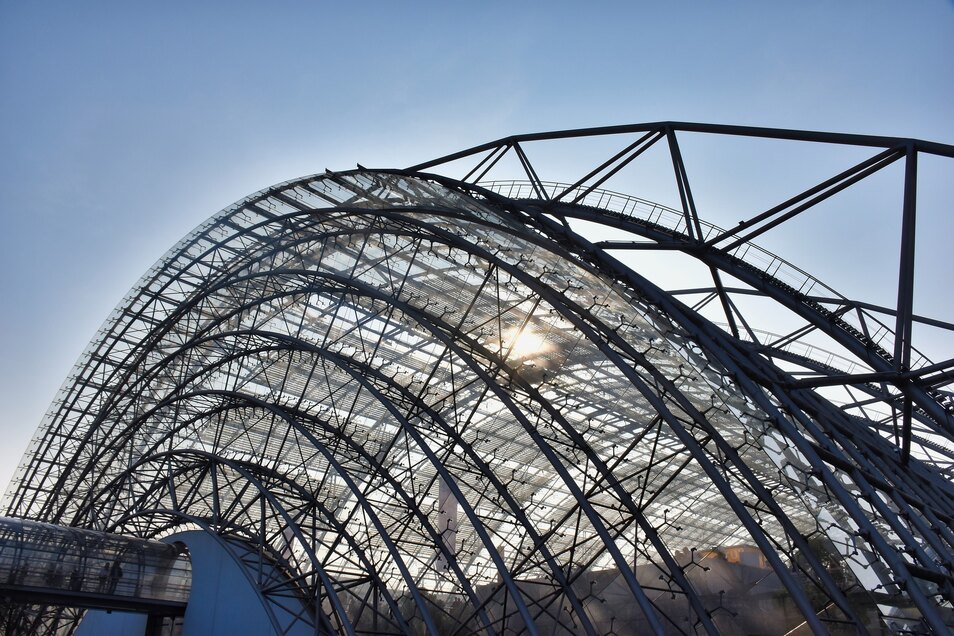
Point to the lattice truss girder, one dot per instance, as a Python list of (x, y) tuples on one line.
[(430, 412)]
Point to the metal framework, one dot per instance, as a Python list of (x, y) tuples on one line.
[(441, 404)]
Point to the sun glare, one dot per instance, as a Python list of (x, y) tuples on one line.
[(527, 344)]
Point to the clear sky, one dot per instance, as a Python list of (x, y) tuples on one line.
[(123, 126)]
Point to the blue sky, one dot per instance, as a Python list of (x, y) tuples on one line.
[(124, 125)]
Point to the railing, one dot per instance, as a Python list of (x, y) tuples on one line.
[(85, 568), (867, 328), (801, 349)]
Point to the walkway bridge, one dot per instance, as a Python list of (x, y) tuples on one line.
[(44, 564)]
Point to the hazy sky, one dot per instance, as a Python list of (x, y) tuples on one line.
[(123, 127)]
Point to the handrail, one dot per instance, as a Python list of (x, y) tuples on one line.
[(816, 354), (775, 267), (86, 568)]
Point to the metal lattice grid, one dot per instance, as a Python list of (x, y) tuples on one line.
[(438, 405)]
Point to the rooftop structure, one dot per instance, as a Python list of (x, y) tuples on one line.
[(448, 404)]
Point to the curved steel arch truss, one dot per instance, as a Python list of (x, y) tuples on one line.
[(441, 404)]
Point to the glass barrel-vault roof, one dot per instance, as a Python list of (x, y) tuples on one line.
[(434, 408)]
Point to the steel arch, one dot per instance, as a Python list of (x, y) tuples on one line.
[(399, 298)]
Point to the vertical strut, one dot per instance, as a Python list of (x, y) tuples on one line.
[(693, 228), (902, 331)]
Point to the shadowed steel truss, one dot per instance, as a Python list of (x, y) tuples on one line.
[(447, 405)]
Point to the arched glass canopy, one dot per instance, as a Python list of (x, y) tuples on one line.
[(437, 405)]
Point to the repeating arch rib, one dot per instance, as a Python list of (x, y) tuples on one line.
[(445, 407)]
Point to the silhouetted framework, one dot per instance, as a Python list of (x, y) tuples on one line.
[(448, 405)]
